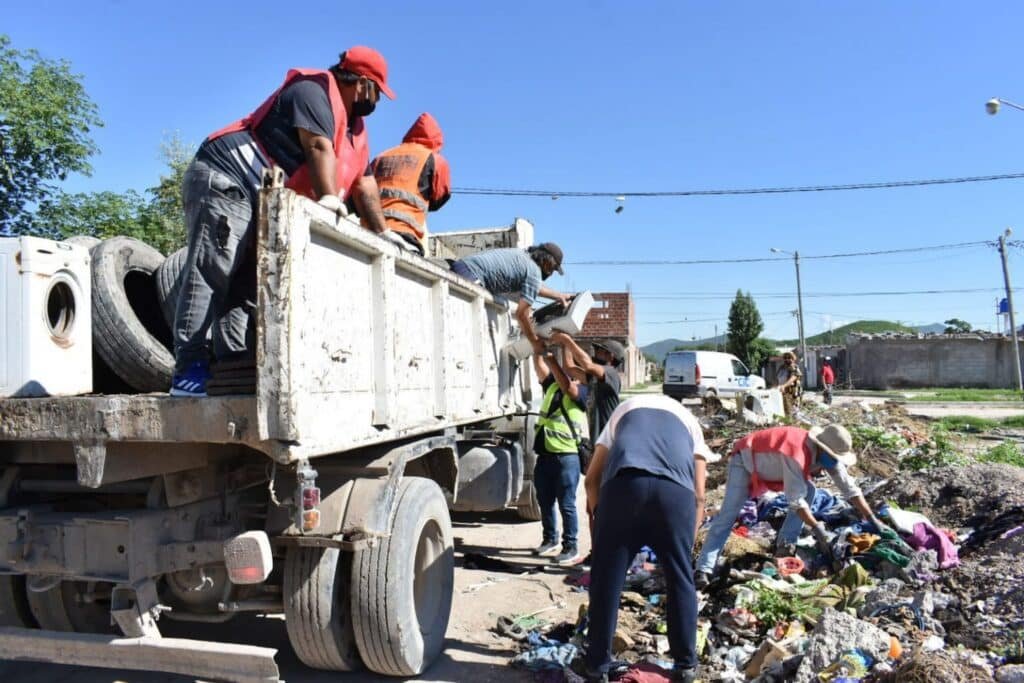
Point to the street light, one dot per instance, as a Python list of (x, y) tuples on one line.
[(799, 306), (993, 105)]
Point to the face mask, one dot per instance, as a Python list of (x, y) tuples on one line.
[(826, 460), (598, 361), (363, 107), (545, 276)]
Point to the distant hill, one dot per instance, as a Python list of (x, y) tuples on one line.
[(657, 350), (838, 335)]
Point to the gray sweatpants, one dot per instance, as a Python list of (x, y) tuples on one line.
[(218, 293)]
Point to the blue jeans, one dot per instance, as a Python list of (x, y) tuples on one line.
[(555, 478), (737, 490)]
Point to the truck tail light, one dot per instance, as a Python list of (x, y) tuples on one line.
[(248, 558), (696, 374)]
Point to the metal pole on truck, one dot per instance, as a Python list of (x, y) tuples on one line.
[(1009, 303)]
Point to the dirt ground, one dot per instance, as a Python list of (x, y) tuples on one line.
[(472, 652)]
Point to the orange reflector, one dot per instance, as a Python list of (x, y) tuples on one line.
[(310, 520)]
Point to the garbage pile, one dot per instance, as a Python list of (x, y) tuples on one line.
[(938, 597)]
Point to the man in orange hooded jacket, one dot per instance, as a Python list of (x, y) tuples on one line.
[(413, 179)]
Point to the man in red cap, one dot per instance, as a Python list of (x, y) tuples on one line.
[(312, 128), (413, 179)]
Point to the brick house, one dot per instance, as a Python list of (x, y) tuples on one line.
[(614, 317)]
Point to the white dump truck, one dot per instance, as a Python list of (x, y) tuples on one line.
[(385, 392)]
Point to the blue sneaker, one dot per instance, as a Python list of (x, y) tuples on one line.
[(192, 382)]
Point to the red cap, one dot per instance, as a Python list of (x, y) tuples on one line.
[(367, 62)]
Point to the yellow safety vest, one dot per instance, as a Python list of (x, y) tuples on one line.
[(557, 434)]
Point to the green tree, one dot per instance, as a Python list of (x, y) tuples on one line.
[(45, 120), (760, 350), (745, 326), (955, 325), (99, 214), (164, 216)]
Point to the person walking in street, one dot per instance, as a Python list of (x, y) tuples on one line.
[(556, 476), (646, 487), (518, 272), (828, 379), (790, 382), (784, 459), (413, 179), (312, 127)]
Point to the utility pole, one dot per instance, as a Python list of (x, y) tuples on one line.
[(716, 336), (800, 313), (1009, 303)]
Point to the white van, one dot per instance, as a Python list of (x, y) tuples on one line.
[(702, 373)]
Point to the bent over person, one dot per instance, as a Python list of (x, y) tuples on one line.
[(646, 487), (312, 128)]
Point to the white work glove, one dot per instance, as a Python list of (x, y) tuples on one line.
[(333, 202)]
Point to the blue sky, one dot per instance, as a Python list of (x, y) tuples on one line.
[(616, 97)]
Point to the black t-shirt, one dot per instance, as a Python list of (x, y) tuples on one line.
[(603, 400), (303, 104)]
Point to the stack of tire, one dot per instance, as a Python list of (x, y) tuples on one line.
[(134, 295)]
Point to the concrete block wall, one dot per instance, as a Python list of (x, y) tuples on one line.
[(941, 361)]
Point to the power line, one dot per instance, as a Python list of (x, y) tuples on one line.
[(851, 254), (785, 295), (501, 192)]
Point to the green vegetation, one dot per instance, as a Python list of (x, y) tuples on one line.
[(938, 451), (865, 436), (838, 335), (1007, 453), (961, 394), (770, 607), (46, 121)]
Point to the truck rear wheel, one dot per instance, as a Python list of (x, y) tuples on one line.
[(14, 609), (71, 606), (317, 610), (530, 510), (402, 586)]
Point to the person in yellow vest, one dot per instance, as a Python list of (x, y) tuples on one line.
[(413, 179), (561, 426)]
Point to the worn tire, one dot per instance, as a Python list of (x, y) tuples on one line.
[(168, 284), (57, 609), (14, 608), (129, 331), (402, 586), (530, 510), (318, 614), (87, 241)]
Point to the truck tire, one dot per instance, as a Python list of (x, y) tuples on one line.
[(168, 283), (87, 241), (402, 586), (59, 608), (318, 614), (14, 609), (530, 510), (129, 331)]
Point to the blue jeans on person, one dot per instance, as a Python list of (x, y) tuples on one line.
[(737, 491), (556, 478), (637, 508)]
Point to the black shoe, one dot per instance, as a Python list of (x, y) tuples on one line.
[(545, 548), (569, 555), (701, 580), (684, 675)]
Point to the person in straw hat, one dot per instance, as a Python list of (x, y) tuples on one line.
[(784, 459)]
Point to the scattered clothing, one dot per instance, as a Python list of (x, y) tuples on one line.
[(551, 655), (824, 506), (490, 564), (927, 537), (646, 673)]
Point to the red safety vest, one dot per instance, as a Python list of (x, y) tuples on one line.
[(351, 154), (790, 442)]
